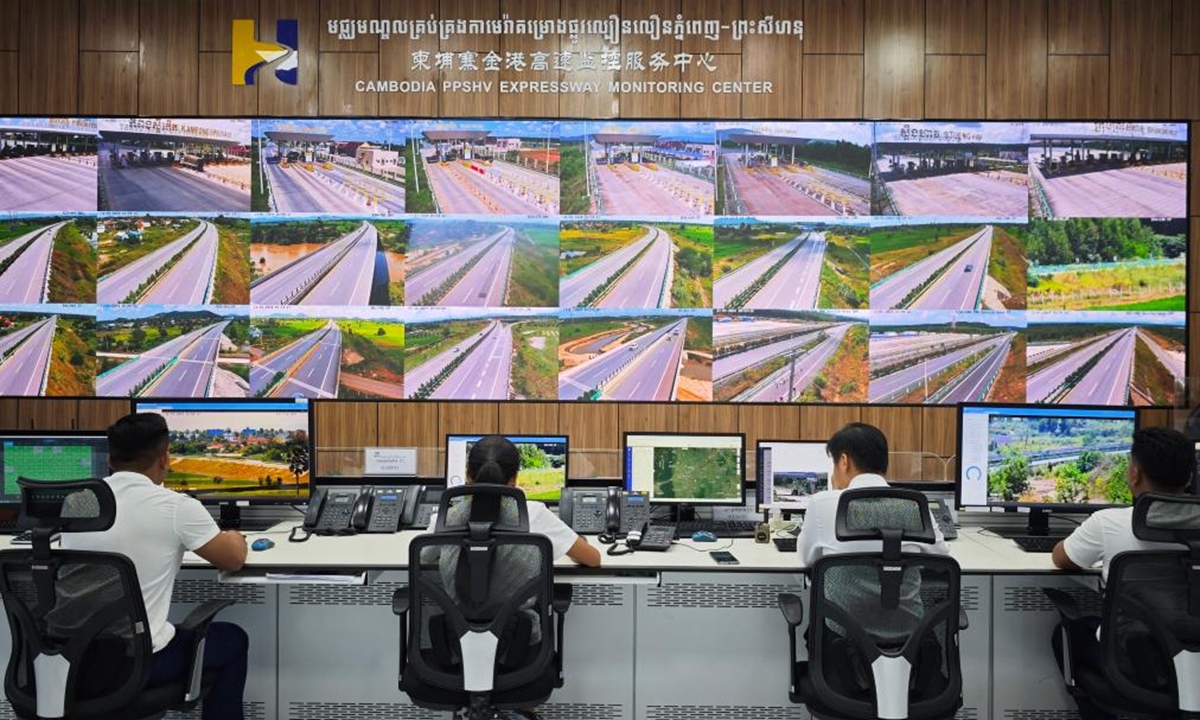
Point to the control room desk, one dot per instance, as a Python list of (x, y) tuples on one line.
[(651, 636)]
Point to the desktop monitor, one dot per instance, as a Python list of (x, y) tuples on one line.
[(686, 469), (236, 452), (790, 472), (1062, 458), (50, 456), (543, 472)]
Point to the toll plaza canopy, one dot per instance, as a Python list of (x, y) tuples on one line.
[(918, 148), (299, 137), (143, 130), (438, 136), (756, 139), (1085, 137), (623, 138), (49, 130)]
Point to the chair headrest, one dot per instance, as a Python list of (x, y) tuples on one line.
[(498, 507), (873, 513), (75, 506), (1167, 518)]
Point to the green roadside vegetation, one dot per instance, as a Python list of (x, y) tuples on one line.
[(691, 286), (534, 268), (416, 201), (573, 195), (593, 240), (845, 270), (897, 247), (72, 358), (232, 286), (844, 377), (277, 333), (535, 369), (1007, 266), (423, 341), (73, 264), (157, 232)]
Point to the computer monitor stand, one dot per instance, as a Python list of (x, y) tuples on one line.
[(684, 513), (231, 519), (1038, 525)]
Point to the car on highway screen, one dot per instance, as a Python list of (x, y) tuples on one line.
[(914, 262)]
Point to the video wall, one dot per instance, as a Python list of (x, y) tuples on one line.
[(767, 262)]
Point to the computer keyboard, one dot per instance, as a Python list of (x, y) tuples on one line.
[(785, 544), (1037, 543), (720, 528)]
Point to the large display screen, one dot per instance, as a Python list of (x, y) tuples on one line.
[(767, 262)]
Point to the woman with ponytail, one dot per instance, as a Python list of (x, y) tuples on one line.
[(494, 460)]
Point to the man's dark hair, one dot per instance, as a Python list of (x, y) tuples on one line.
[(865, 444), (137, 440), (1165, 457)]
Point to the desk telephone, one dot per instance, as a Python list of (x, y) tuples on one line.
[(370, 509), (611, 511)]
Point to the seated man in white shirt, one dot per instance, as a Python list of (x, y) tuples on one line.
[(153, 528), (1161, 460)]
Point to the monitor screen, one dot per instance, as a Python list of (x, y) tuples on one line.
[(226, 451), (543, 471), (52, 456), (686, 469), (789, 472), (1067, 456)]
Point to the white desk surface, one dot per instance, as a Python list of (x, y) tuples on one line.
[(976, 551)]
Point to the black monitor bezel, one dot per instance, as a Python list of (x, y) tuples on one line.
[(220, 500), (1062, 508), (508, 436), (625, 479), (758, 484)]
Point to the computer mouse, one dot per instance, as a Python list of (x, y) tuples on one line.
[(262, 544), (703, 536)]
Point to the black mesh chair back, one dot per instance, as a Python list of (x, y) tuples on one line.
[(481, 596), (1150, 633), (81, 645), (883, 632)]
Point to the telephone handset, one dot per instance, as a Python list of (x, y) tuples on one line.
[(648, 537), (330, 511), (608, 511), (347, 511), (419, 506)]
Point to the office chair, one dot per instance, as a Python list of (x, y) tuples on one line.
[(883, 634), (1150, 620), (475, 620), (81, 644)]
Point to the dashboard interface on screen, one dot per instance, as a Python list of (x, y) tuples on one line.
[(222, 451), (914, 262), (790, 472), (50, 457), (686, 469), (1044, 456)]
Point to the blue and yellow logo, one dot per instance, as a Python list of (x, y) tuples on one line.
[(249, 54)]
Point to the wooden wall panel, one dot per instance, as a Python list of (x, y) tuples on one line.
[(955, 86), (1077, 87), (340, 432), (769, 422), (778, 59), (472, 10), (818, 422), (49, 65), (348, 9), (168, 79), (1140, 84), (47, 413), (10, 32), (722, 10), (535, 418), (650, 105), (831, 26), (108, 83), (99, 413), (535, 104), (338, 74), (901, 425), (600, 104), (648, 417), (468, 417), (8, 413), (219, 97), (894, 59), (592, 428), (1185, 22), (1079, 27), (707, 418), (1185, 90), (1016, 59), (275, 98), (395, 61), (833, 86), (9, 70), (955, 27), (109, 25), (1194, 251), (216, 23), (708, 105), (413, 424)]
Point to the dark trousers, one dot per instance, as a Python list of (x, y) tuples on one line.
[(1087, 654), (225, 651)]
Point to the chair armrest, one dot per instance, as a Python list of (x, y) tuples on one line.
[(792, 608), (1065, 603), (400, 602), (563, 592), (197, 622), (963, 621)]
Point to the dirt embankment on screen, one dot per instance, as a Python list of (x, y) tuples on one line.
[(229, 468)]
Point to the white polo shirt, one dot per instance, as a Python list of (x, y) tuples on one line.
[(543, 522), (153, 528), (818, 535), (1103, 536)]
